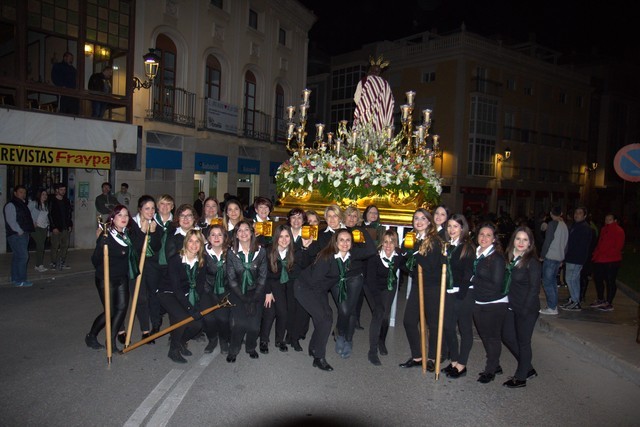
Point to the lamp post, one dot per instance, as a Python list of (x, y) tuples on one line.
[(151, 66), (499, 159)]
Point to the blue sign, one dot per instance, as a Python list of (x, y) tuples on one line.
[(164, 159), (248, 166), (210, 163), (627, 162)]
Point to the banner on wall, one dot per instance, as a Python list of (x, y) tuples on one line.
[(53, 157), (222, 117)]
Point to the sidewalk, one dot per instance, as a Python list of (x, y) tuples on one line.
[(608, 338)]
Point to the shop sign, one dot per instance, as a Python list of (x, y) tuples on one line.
[(53, 157)]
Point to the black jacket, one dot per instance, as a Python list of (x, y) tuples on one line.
[(258, 270), (177, 282), (377, 273), (60, 214), (489, 277), (525, 287)]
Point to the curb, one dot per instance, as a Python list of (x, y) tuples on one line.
[(590, 350)]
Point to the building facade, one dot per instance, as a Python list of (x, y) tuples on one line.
[(211, 120), (487, 98)]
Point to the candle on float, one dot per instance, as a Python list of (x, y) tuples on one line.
[(303, 111), (365, 148), (291, 111), (427, 115), (338, 146), (329, 138), (290, 128), (305, 95), (420, 133), (436, 141), (410, 97), (319, 131), (405, 111), (354, 136), (388, 132)]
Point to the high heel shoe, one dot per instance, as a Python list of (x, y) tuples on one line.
[(92, 342)]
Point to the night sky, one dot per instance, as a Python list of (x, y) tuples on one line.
[(570, 26)]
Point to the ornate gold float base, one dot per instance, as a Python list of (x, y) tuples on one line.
[(394, 209)]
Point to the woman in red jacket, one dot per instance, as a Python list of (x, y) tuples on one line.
[(606, 260)]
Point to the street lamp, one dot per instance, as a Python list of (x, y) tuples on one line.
[(151, 65), (505, 157)]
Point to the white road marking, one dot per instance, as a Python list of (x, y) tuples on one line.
[(154, 397)]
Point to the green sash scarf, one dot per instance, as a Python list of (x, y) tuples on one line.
[(507, 275), (218, 287), (391, 277), (134, 269), (192, 272), (284, 274), (247, 277), (343, 267), (450, 252), (162, 258)]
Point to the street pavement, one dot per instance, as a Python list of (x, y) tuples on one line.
[(44, 355)]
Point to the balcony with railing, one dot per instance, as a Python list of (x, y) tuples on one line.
[(172, 105)]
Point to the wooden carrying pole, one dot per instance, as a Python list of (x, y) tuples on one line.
[(423, 323), (443, 293), (224, 303), (136, 291), (107, 294)]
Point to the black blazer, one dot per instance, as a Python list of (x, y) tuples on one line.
[(431, 264), (258, 269), (377, 272), (461, 267), (488, 281), (320, 276), (118, 258), (177, 282), (211, 265), (525, 287)]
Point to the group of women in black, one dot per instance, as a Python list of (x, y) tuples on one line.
[(285, 278)]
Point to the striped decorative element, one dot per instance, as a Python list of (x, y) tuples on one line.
[(374, 103)]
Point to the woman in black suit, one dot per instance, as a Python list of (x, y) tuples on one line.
[(311, 287), (217, 285), (281, 257), (181, 292), (491, 305), (247, 271), (522, 285), (382, 283), (422, 221), (123, 265), (459, 299)]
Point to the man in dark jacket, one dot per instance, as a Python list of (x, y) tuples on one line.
[(578, 247), (18, 225), (61, 226), (100, 82), (64, 74)]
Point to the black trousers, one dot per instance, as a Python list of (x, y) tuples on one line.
[(459, 314), (177, 313), (316, 303), (411, 320), (215, 324), (382, 299), (489, 320), (278, 312), (606, 272), (516, 335), (142, 306), (245, 323), (347, 319), (119, 295), (151, 277)]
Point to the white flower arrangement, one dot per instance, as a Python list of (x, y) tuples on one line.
[(358, 174)]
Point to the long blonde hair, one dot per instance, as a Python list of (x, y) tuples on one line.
[(200, 237)]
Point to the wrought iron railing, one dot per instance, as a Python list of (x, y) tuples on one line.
[(172, 105)]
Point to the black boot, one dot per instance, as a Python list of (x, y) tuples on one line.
[(92, 342), (174, 354), (213, 342), (373, 358), (381, 342)]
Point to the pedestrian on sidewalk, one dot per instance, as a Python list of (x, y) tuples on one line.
[(105, 202), (552, 256), (578, 246), (61, 226), (607, 257), (18, 224), (40, 215)]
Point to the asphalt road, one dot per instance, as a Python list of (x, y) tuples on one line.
[(48, 377)]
